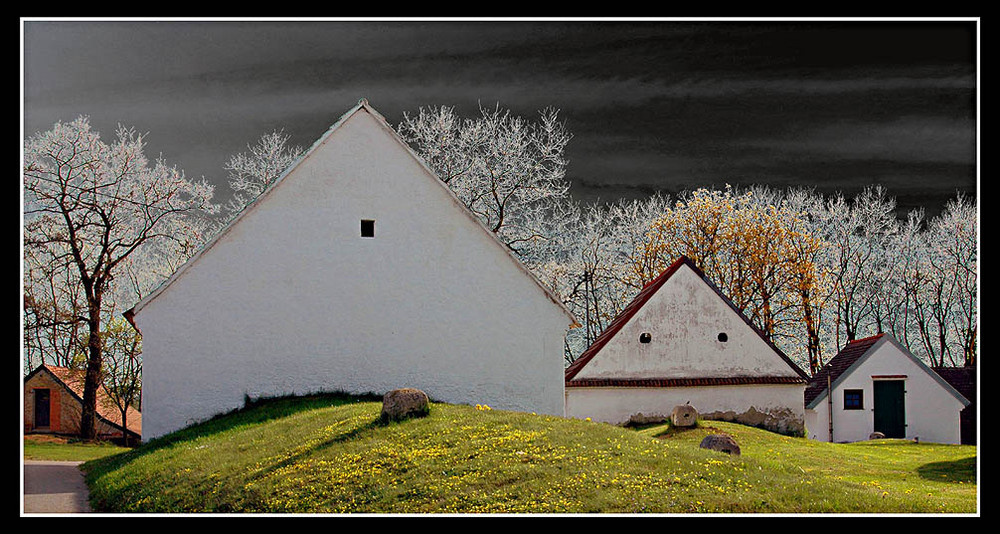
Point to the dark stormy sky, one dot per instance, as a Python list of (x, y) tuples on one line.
[(653, 105)]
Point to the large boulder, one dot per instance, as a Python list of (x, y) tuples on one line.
[(403, 403), (722, 443), (684, 416)]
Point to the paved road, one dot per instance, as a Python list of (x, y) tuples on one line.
[(54, 488)]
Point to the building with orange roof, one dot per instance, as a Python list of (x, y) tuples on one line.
[(53, 403)]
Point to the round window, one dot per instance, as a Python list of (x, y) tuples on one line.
[(723, 337), (645, 337)]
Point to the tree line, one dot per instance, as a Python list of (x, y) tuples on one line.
[(812, 272), (104, 226)]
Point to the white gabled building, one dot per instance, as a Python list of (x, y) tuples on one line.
[(879, 386), (681, 341), (359, 271)]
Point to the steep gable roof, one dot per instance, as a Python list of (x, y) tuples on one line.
[(851, 357), (637, 303), (362, 106), (74, 381)]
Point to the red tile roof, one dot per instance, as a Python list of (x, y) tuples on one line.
[(74, 380), (837, 365), (641, 299)]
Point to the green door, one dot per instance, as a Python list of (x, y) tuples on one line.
[(890, 408)]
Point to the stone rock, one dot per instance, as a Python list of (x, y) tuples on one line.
[(721, 443), (684, 415), (876, 435), (403, 403), (780, 420)]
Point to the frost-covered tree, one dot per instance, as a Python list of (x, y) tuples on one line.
[(858, 234), (53, 311), (902, 301), (89, 206), (251, 172), (507, 170), (956, 233), (947, 318), (810, 281), (593, 273)]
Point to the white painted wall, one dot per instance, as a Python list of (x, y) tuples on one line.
[(616, 405), (931, 411), (685, 318), (292, 300)]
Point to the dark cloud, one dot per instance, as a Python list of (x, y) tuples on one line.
[(653, 105)]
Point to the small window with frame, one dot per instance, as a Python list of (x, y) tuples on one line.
[(367, 228), (854, 399)]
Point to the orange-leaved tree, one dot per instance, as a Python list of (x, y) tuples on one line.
[(756, 247)]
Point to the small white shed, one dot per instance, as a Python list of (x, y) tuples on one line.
[(879, 386), (360, 271), (681, 341)]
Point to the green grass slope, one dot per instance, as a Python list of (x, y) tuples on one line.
[(47, 447), (329, 454)]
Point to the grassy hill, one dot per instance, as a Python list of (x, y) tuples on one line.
[(50, 447), (329, 454)]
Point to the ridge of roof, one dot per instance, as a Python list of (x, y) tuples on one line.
[(468, 213), (206, 246), (643, 297), (382, 122), (869, 339)]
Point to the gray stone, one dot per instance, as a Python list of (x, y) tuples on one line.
[(876, 435), (403, 403), (722, 443), (684, 415)]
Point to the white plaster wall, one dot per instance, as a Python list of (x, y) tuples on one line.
[(931, 412), (817, 419), (616, 405), (292, 300), (685, 317)]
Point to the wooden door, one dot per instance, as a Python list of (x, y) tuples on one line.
[(890, 408), (42, 408)]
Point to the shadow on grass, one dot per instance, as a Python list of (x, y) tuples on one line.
[(253, 412), (671, 430), (956, 471), (349, 435)]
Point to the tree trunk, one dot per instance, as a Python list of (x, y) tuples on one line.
[(88, 415), (125, 426)]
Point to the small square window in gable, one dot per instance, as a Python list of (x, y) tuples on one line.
[(367, 228)]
